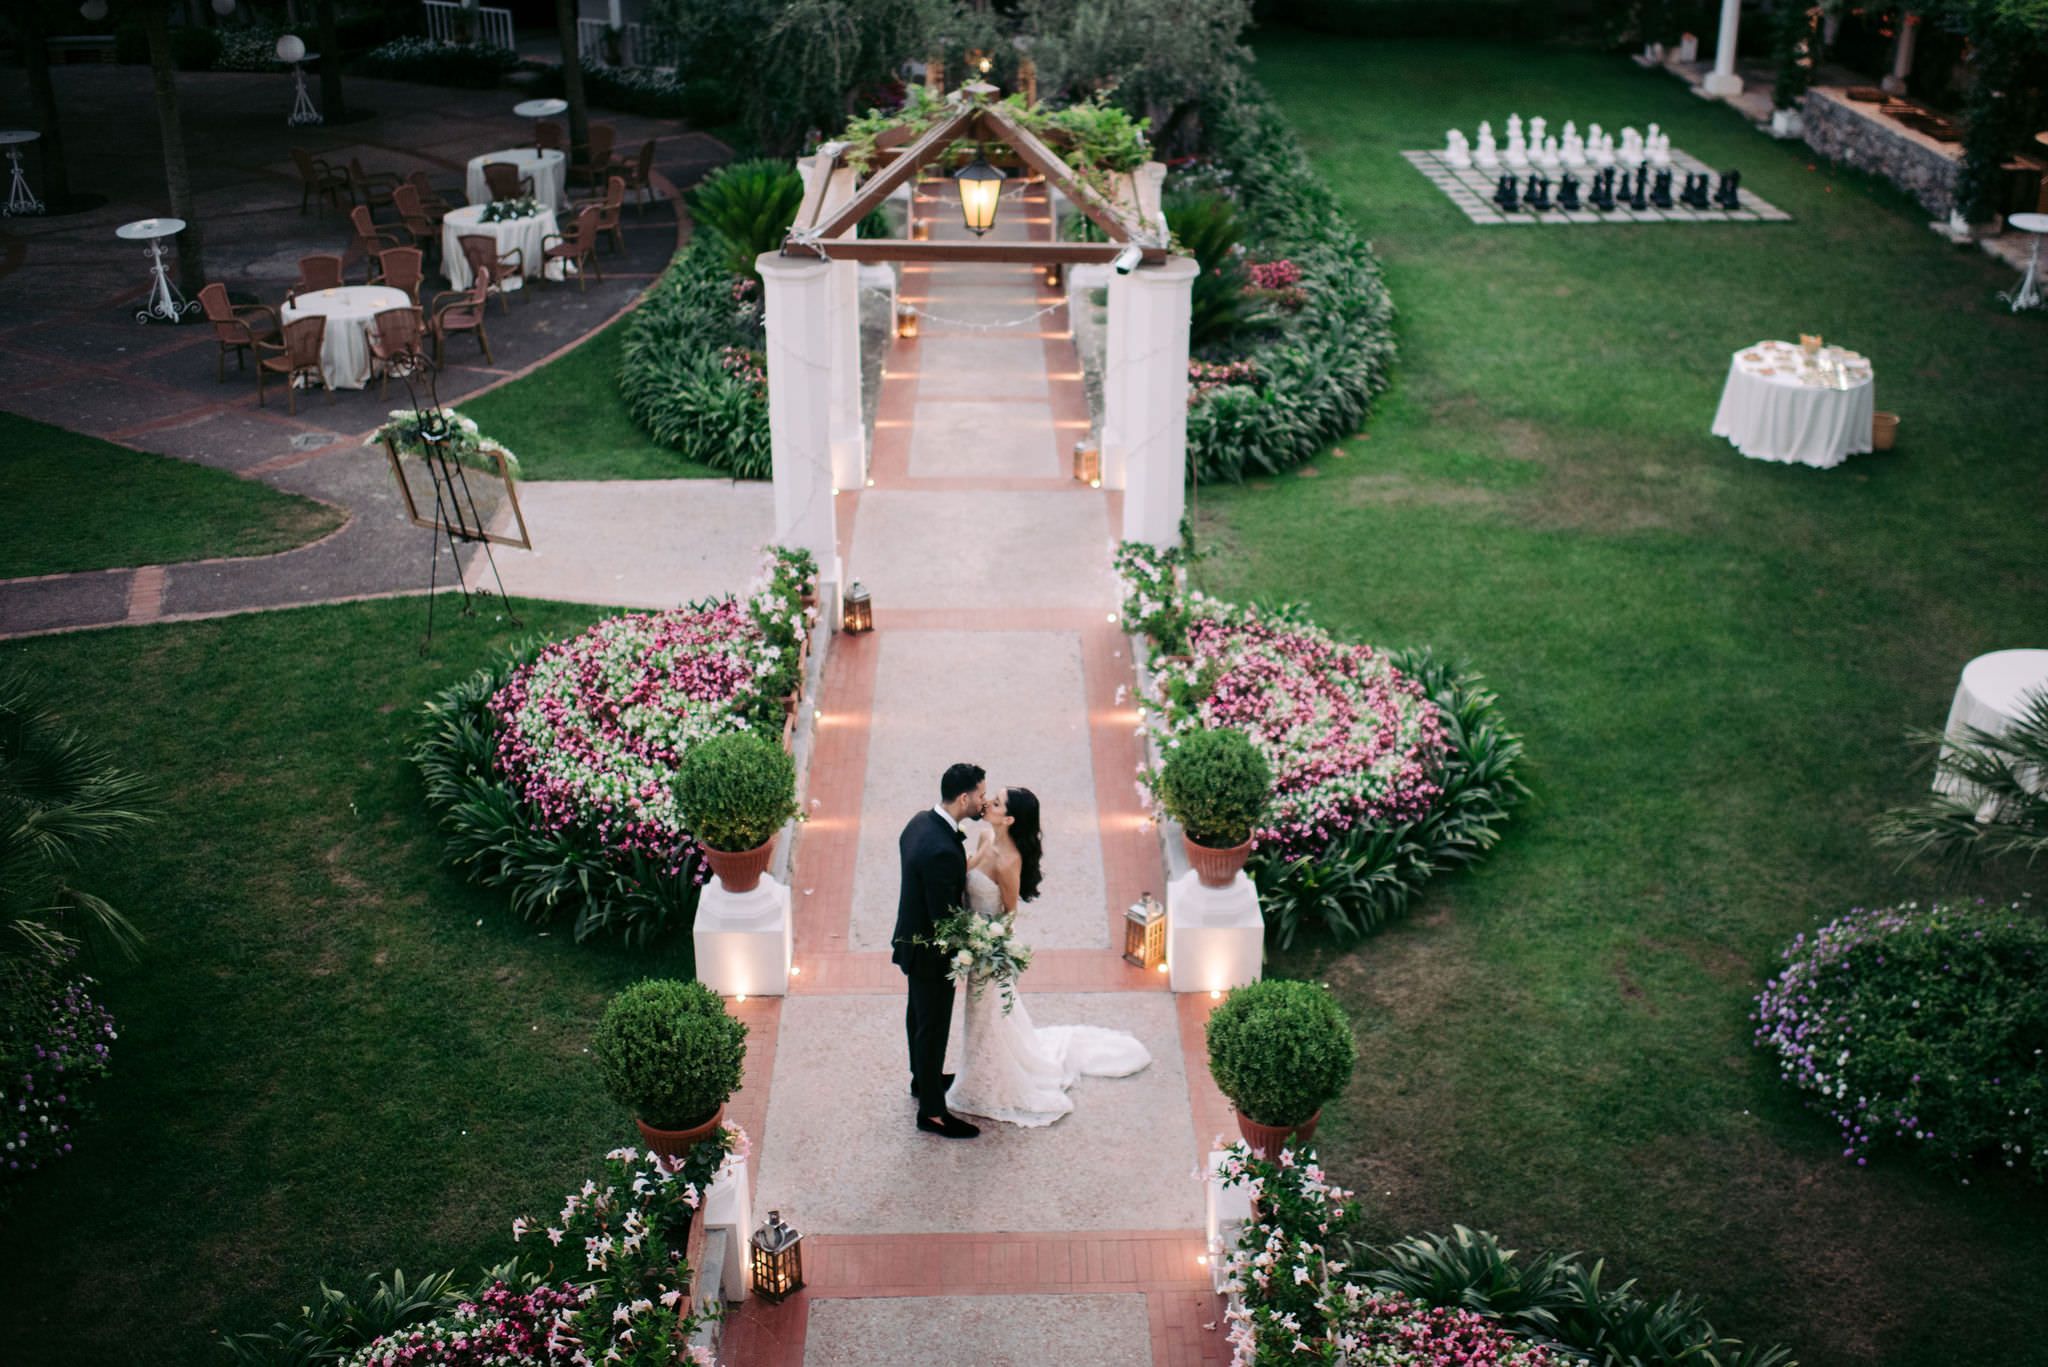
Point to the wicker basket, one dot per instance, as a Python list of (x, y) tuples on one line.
[(1884, 430)]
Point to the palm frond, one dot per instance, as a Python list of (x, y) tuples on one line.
[(1988, 801)]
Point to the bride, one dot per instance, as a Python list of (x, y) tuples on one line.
[(1009, 1069)]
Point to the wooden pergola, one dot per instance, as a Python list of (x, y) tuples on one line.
[(829, 233)]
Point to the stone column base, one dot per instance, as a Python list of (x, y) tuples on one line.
[(1215, 937), (744, 940)]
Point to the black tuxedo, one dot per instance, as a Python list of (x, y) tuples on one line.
[(934, 866)]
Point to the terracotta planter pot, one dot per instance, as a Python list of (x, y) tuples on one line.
[(1215, 867), (741, 870), (678, 1143), (1267, 1140), (1884, 431)]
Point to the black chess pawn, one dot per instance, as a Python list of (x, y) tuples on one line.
[(1505, 193), (1637, 199), (1727, 194), (1603, 190), (1691, 196), (1538, 193), (1568, 193), (1660, 192)]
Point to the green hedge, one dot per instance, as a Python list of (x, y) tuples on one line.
[(1319, 376), (474, 66), (674, 374), (1466, 19)]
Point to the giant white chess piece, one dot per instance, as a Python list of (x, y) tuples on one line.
[(1657, 147), (1631, 147), (1487, 158), (1518, 150), (1548, 156), (1457, 152), (1572, 152), (1537, 127)]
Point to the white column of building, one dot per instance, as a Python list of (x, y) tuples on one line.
[(1722, 80), (1902, 55), (1115, 410), (800, 363), (1148, 363)]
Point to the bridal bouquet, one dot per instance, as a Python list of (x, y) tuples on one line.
[(984, 950)]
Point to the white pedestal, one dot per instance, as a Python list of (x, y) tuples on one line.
[(1229, 1211), (1145, 397), (1215, 937), (727, 1206), (803, 352), (744, 941), (1722, 83)]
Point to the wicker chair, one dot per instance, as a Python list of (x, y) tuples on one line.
[(481, 252), (398, 344), (319, 178), (412, 214), (432, 201), (505, 180), (577, 247), (402, 268), (462, 311), (593, 160), (371, 188), (298, 354), (549, 137), (321, 271), (372, 241), (235, 329), (639, 175), (609, 210)]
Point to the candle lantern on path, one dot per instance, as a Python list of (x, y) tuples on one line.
[(859, 614), (1088, 462), (906, 322), (776, 1259), (1145, 933)]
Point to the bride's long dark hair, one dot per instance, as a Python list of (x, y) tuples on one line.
[(1022, 804)]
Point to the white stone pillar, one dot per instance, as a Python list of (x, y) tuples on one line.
[(1902, 55), (800, 356), (615, 14), (849, 432), (1145, 394), (1722, 80)]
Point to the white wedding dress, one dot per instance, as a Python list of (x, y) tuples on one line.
[(1013, 1071)]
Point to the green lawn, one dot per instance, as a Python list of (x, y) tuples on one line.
[(334, 1053), (1713, 660), (74, 502), (566, 421)]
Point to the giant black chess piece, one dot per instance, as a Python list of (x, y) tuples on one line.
[(1506, 193), (1537, 194), (1660, 192), (1603, 190), (1637, 199), (1695, 193), (1727, 193), (1568, 193)]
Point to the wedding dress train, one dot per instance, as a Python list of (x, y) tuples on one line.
[(1013, 1071)]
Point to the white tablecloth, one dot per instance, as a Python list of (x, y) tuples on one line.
[(549, 171), (523, 233), (1991, 697), (351, 314), (1770, 412)]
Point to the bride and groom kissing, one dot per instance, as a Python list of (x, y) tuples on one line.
[(1008, 1069)]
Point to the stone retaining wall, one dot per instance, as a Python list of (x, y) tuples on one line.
[(1857, 135)]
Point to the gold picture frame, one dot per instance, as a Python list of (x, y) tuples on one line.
[(441, 469)]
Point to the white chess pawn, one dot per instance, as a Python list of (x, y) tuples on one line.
[(1518, 150), (1537, 126), (1572, 152), (1487, 158), (1631, 147), (1594, 137), (1660, 149), (1548, 157), (1457, 152)]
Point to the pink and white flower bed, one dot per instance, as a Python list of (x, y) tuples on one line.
[(1350, 739)]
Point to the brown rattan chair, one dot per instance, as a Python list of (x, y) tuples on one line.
[(371, 240), (461, 311), (593, 160), (577, 247), (297, 355), (609, 209), (398, 344), (371, 188), (402, 268), (432, 201), (505, 180), (235, 329), (481, 252), (321, 271), (319, 178), (413, 215), (549, 137), (639, 175)]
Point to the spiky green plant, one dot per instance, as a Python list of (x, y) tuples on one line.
[(1208, 226), (1989, 801), (749, 206)]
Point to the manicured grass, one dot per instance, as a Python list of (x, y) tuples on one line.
[(335, 1055), (567, 421), (73, 502), (1713, 660)]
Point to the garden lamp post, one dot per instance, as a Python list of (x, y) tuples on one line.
[(980, 186)]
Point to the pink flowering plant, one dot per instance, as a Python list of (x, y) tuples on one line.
[(55, 1045), (501, 1324), (1154, 604), (1206, 377)]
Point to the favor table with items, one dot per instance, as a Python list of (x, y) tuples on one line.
[(351, 313), (525, 234), (1787, 404), (1993, 697), (548, 170)]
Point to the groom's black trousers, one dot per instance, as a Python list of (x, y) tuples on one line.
[(928, 1020)]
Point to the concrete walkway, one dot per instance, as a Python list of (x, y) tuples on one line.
[(995, 642)]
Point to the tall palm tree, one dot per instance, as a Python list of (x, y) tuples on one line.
[(1990, 799), (64, 803)]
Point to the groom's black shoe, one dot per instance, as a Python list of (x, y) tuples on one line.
[(948, 1126), (945, 1081)]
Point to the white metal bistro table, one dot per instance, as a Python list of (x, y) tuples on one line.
[(164, 301), (527, 234), (20, 199), (1780, 405), (351, 312), (1992, 697), (548, 170), (538, 110), (2028, 295)]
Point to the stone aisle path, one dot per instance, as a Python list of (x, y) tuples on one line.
[(995, 642)]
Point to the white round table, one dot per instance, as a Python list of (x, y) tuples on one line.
[(20, 199), (549, 171), (351, 314), (1774, 407), (524, 233), (2028, 295), (1992, 696), (164, 301)]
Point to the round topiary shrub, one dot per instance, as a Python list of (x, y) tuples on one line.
[(736, 791), (1216, 784), (1921, 1028), (668, 1051), (1280, 1050)]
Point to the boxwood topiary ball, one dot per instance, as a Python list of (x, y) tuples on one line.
[(1280, 1050)]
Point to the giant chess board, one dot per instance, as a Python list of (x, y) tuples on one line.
[(1471, 189)]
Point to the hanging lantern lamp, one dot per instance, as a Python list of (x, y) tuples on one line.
[(980, 186)]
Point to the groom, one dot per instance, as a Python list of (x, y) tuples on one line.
[(933, 852)]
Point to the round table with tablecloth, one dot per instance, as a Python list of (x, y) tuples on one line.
[(1782, 405), (351, 313), (1993, 696), (526, 234), (548, 170)]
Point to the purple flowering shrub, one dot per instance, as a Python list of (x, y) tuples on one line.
[(1920, 1028), (54, 1045)]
